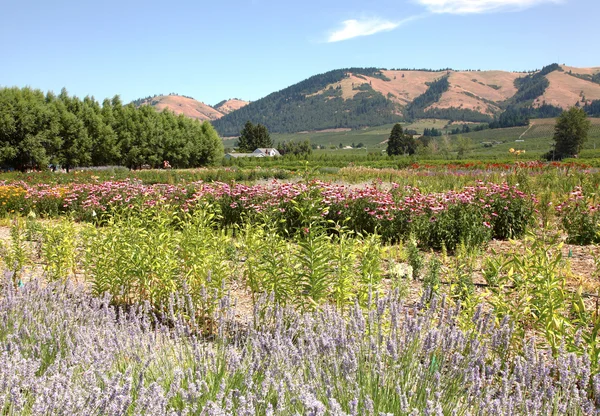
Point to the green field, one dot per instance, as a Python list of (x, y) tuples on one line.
[(371, 137), (537, 138)]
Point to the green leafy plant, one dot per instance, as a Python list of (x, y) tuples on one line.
[(343, 264), (461, 276), (314, 271), (18, 255), (415, 257), (432, 281), (269, 264), (529, 286), (371, 272), (58, 249)]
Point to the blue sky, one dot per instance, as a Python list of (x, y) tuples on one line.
[(247, 49)]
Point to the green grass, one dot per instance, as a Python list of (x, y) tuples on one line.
[(371, 137), (537, 139), (426, 123)]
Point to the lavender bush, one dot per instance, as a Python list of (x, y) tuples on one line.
[(64, 352)]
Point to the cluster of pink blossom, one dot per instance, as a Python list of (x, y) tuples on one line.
[(576, 199), (379, 203)]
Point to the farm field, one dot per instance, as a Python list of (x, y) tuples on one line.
[(537, 138), (427, 289), (371, 137)]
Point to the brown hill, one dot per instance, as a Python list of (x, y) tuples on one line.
[(566, 88), (480, 91), (183, 105), (226, 107)]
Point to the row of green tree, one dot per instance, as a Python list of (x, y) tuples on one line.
[(295, 148), (431, 132), (38, 129), (516, 115), (587, 77), (592, 109)]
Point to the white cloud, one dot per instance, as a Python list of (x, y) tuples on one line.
[(479, 6), (364, 27), (354, 28)]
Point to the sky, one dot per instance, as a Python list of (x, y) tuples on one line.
[(247, 49)]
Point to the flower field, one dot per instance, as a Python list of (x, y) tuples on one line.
[(334, 295), (472, 215), (67, 353)]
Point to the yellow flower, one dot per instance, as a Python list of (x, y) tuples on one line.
[(511, 150)]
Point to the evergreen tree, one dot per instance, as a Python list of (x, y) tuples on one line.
[(253, 137), (393, 145), (570, 132)]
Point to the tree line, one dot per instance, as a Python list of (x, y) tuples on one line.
[(593, 108), (38, 129)]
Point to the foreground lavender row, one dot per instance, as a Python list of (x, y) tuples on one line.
[(63, 352)]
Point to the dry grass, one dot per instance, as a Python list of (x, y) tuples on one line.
[(565, 90), (474, 90), (231, 105), (491, 85), (583, 71), (186, 106), (403, 90), (457, 98)]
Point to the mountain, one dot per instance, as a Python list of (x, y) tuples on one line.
[(361, 97), (190, 107), (228, 106)]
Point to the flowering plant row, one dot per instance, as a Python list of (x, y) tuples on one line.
[(399, 360), (474, 214), (580, 217), (535, 165)]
